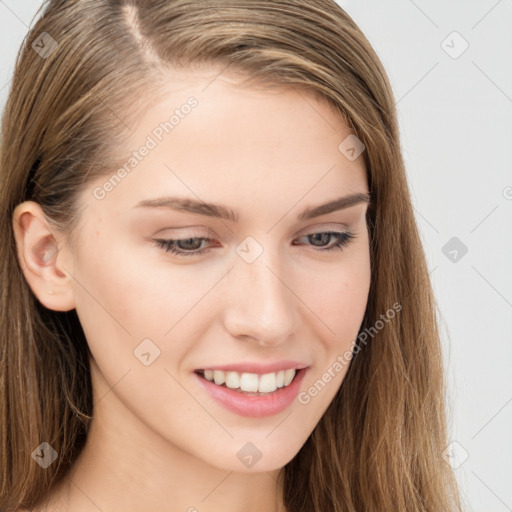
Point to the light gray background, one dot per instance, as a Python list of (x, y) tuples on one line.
[(455, 116)]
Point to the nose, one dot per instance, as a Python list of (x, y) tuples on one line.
[(259, 303)]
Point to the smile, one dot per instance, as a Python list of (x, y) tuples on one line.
[(252, 394), (250, 382)]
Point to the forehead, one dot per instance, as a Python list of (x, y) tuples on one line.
[(209, 137)]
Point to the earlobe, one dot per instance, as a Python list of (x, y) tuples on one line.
[(40, 258)]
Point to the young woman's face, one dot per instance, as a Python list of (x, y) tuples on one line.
[(252, 290)]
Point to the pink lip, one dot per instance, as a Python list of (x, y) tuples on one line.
[(254, 405), (259, 368)]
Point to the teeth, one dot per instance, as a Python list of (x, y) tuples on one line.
[(232, 380), (267, 383), (288, 376), (218, 377), (280, 379), (251, 382)]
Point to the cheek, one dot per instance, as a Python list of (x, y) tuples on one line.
[(126, 288), (339, 304), (125, 297), (340, 296), (113, 295)]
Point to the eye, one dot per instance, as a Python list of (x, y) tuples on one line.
[(186, 246), (342, 239), (194, 246)]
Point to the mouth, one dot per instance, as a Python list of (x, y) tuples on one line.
[(250, 383), (249, 394)]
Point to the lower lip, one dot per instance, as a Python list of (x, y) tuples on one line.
[(249, 405)]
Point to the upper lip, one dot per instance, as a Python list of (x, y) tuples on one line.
[(259, 368)]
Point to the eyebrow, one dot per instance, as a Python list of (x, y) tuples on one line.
[(222, 212)]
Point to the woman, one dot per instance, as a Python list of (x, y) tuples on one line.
[(215, 295)]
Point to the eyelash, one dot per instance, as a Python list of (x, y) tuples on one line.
[(344, 239)]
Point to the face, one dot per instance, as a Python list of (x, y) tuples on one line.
[(225, 329)]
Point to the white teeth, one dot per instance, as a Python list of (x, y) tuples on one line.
[(267, 383), (280, 379), (232, 380), (288, 376), (218, 377), (251, 382)]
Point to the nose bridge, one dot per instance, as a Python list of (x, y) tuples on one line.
[(259, 303)]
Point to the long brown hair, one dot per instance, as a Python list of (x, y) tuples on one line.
[(379, 445)]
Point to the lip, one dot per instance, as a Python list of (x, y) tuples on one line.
[(250, 404), (259, 368)]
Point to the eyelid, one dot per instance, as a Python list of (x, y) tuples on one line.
[(321, 227), (186, 232), (209, 233)]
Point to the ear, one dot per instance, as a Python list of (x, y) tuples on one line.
[(42, 254)]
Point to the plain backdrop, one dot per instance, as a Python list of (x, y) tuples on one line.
[(450, 66)]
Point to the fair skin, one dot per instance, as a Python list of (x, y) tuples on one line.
[(158, 439)]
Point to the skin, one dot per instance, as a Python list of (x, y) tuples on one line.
[(157, 438)]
